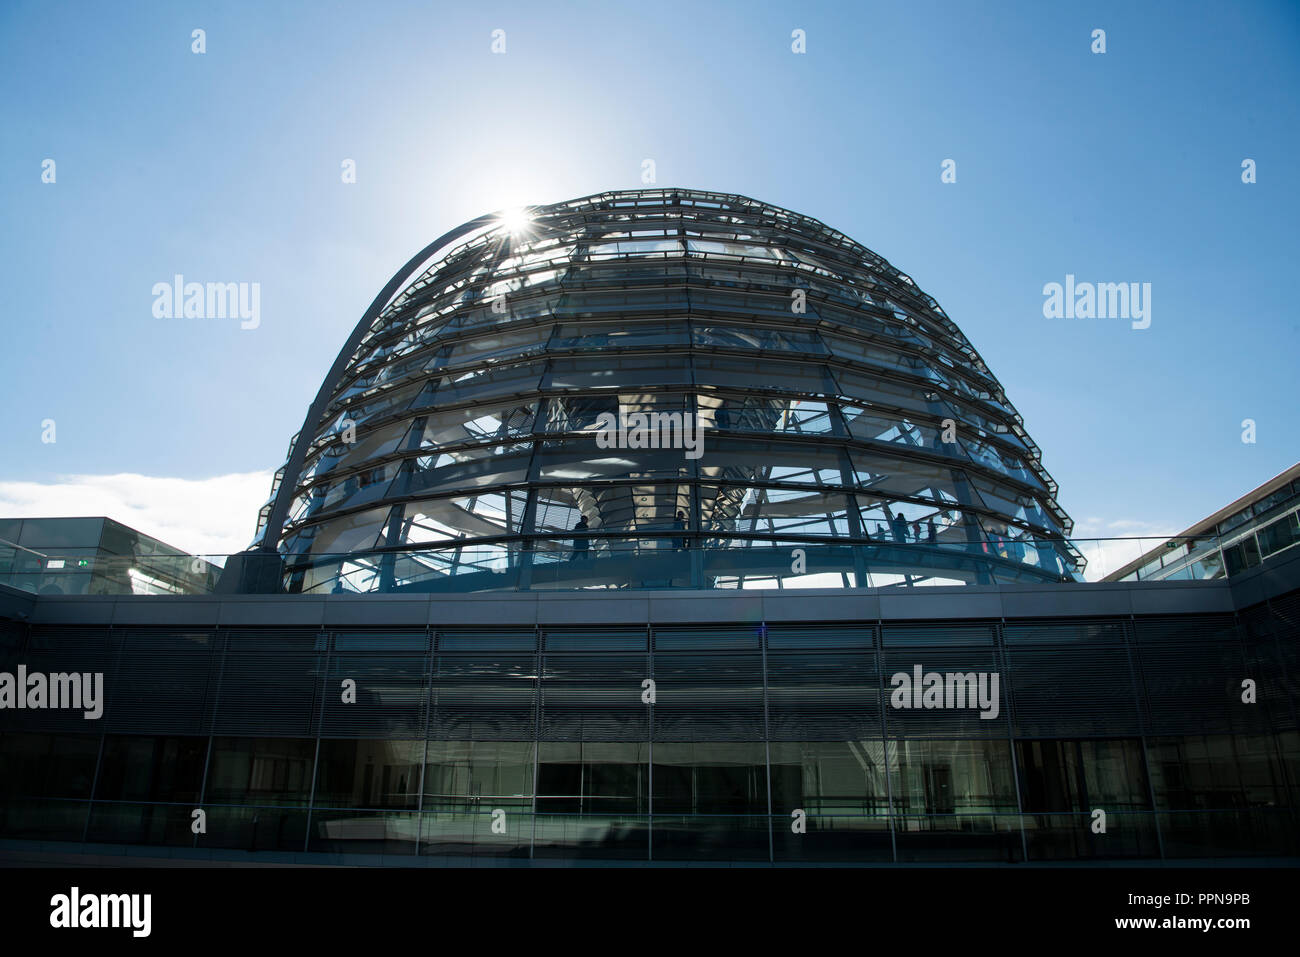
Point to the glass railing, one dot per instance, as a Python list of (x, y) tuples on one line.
[(907, 836), (66, 571), (1194, 558), (654, 561)]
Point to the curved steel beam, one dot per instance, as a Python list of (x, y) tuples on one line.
[(293, 468)]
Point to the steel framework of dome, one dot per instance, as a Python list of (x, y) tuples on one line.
[(847, 433)]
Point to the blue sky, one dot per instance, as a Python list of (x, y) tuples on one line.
[(1115, 167)]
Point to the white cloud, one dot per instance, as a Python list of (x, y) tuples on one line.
[(214, 516)]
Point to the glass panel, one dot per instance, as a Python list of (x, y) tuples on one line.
[(1216, 771), (448, 519), (739, 462), (614, 371), (363, 832), (369, 774), (1241, 556), (516, 342), (593, 778), (582, 414), (772, 511), (473, 424), (260, 771), (756, 338), (948, 777), (752, 413), (1064, 776), (161, 825), (151, 769), (806, 377), (481, 384), (474, 467), (479, 776), (255, 828), (580, 459), (47, 765), (710, 778), (601, 336), (1279, 535), (829, 778)]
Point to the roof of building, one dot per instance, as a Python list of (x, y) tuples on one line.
[(1209, 524)]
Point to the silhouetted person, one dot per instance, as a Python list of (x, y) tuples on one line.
[(930, 533), (679, 524), (580, 544), (899, 527)]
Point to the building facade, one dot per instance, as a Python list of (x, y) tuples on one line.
[(96, 556), (601, 543), (1256, 527), (514, 729)]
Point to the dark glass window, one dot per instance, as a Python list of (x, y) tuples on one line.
[(829, 777), (1280, 535), (164, 769), (1216, 772), (369, 774), (478, 775), (47, 765), (710, 778), (260, 770), (1243, 555), (952, 777), (593, 778), (1077, 776)]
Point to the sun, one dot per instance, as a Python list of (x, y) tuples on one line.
[(516, 220)]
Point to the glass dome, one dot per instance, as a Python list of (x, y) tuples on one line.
[(659, 388)]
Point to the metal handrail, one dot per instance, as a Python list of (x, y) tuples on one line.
[(5, 541)]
